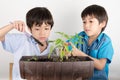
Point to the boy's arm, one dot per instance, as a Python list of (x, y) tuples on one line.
[(98, 63), (4, 30), (19, 25)]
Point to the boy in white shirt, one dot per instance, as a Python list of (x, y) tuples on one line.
[(40, 22)]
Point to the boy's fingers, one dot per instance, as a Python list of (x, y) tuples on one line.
[(72, 45), (22, 27), (19, 25)]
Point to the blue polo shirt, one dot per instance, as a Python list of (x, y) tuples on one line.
[(22, 45), (100, 48)]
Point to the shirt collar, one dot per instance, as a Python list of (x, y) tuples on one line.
[(98, 38), (33, 40)]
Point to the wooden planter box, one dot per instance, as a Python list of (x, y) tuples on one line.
[(56, 70)]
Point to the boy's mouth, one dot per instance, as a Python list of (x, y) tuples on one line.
[(42, 38), (87, 30)]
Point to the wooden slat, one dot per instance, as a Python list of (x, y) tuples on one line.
[(30, 70), (48, 71), (10, 70), (67, 70), (57, 72)]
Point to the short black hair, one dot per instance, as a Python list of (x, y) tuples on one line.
[(98, 12), (38, 16)]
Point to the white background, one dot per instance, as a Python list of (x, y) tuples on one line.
[(66, 14)]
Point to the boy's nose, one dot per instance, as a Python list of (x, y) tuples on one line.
[(86, 25), (42, 32)]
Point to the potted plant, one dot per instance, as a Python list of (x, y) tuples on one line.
[(60, 67)]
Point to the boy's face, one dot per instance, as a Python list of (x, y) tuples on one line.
[(42, 32), (91, 26)]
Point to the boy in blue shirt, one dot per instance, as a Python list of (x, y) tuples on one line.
[(96, 44), (40, 22)]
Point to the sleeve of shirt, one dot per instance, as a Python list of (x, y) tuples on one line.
[(106, 51), (12, 42)]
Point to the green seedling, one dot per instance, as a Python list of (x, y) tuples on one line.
[(62, 45)]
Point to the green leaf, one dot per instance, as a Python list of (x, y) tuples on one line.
[(66, 48), (61, 56), (58, 41), (51, 51)]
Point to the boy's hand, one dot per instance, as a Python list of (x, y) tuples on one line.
[(19, 25), (75, 51)]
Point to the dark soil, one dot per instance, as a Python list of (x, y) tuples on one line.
[(55, 59)]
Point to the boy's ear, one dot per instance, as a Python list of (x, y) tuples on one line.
[(29, 30), (103, 24)]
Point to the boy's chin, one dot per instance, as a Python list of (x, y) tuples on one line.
[(42, 41)]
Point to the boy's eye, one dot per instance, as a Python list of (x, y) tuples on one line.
[(84, 22), (46, 28), (90, 21), (37, 29)]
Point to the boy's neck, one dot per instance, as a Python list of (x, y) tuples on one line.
[(42, 48), (91, 39)]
